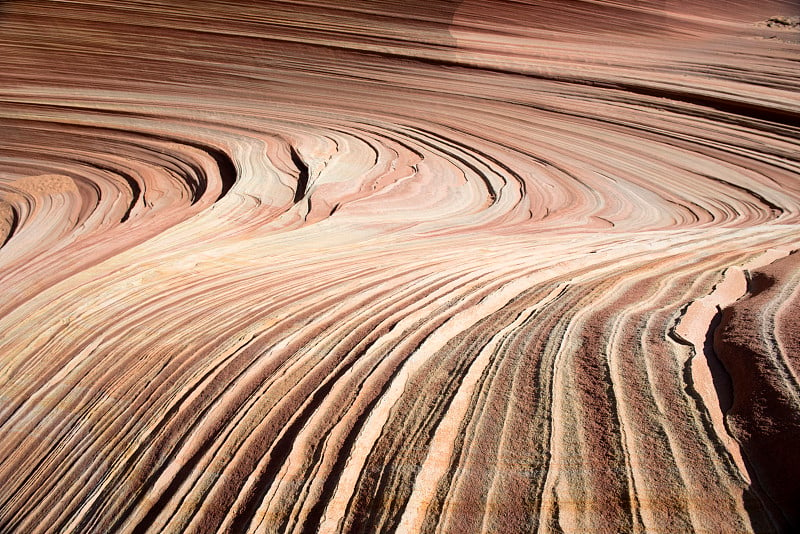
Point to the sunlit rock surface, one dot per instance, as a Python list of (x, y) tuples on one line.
[(406, 266)]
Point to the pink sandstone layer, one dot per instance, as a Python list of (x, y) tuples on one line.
[(384, 265)]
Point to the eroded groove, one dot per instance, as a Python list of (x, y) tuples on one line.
[(302, 177), (401, 266)]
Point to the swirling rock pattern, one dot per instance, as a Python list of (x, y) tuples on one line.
[(405, 266)]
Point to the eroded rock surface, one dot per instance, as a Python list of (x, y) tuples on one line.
[(407, 266)]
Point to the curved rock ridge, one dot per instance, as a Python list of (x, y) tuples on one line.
[(384, 266)]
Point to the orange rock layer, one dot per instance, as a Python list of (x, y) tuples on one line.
[(299, 266)]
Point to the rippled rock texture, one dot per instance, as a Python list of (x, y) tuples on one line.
[(407, 266)]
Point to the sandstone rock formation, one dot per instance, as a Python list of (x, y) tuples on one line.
[(310, 265)]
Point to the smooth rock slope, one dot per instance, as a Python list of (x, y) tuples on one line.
[(310, 265)]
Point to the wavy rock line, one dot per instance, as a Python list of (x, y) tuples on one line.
[(398, 266)]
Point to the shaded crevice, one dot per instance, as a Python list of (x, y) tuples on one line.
[(12, 228), (719, 375), (133, 185), (227, 170), (194, 175), (303, 175), (225, 166), (136, 192)]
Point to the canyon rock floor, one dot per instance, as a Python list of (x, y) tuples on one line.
[(399, 265)]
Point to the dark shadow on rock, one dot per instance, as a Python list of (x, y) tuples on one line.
[(719, 376), (762, 417)]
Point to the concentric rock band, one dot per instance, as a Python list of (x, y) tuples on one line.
[(399, 266)]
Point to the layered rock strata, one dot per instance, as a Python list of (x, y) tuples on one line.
[(301, 266)]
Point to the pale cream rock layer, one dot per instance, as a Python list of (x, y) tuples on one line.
[(399, 266)]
